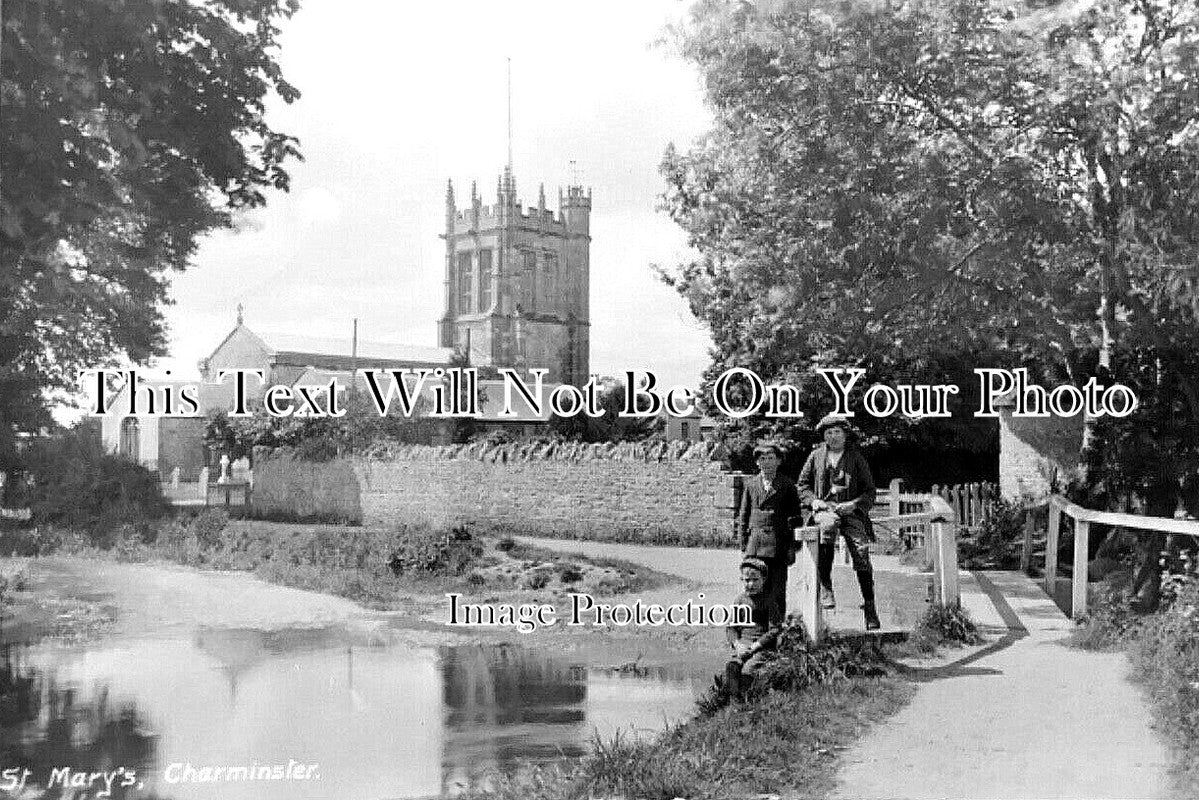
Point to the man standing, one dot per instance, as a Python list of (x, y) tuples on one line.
[(837, 484), (766, 513)]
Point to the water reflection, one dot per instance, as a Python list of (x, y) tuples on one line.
[(378, 721), (45, 726), (505, 706)]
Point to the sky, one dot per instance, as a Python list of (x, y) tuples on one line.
[(399, 97)]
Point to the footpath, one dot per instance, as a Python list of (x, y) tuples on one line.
[(1023, 716)]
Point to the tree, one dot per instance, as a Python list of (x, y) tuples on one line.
[(922, 188), (321, 438), (610, 427), (130, 130)]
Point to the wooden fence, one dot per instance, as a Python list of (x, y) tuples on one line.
[(906, 513), (926, 520), (937, 528), (971, 502), (1059, 508)]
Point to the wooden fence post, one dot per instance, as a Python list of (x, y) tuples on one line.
[(1082, 534), (1026, 548), (738, 487), (1051, 537), (943, 529), (949, 593), (896, 488), (930, 545), (809, 583)]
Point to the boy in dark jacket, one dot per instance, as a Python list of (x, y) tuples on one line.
[(836, 483), (767, 512), (751, 643)]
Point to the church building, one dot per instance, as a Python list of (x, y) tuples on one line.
[(516, 295), (517, 282)]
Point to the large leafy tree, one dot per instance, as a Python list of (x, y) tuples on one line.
[(130, 128), (920, 188)]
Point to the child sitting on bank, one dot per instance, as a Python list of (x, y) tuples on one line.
[(751, 642)]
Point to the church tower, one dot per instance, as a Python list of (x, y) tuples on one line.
[(517, 281)]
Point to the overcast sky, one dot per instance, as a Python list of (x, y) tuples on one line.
[(398, 97)]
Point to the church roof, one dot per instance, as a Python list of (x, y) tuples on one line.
[(287, 346)]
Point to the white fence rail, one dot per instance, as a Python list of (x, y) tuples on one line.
[(1060, 507)]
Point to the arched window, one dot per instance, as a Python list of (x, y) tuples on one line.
[(529, 290), (464, 283), (484, 280), (129, 443), (549, 283)]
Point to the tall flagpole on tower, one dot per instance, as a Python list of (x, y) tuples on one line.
[(509, 115)]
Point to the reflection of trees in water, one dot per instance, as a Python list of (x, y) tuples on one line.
[(46, 726), (504, 706)]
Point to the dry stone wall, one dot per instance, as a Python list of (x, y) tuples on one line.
[(649, 492), (285, 486)]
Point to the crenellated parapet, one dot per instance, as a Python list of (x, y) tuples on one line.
[(518, 280), (572, 216)]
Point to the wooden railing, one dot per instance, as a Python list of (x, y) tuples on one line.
[(1083, 517), (936, 519), (972, 502)]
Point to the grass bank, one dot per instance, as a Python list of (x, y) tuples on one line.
[(1164, 650), (372, 566), (808, 706), (614, 535)]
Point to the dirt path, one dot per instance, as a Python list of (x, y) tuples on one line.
[(901, 590), (1023, 717)]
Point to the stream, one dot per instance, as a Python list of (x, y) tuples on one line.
[(195, 698)]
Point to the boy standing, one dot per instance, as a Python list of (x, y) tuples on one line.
[(766, 515)]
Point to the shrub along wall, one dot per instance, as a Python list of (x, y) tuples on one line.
[(663, 492)]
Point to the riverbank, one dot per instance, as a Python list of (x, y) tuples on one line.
[(787, 741), (781, 743), (29, 613), (407, 572)]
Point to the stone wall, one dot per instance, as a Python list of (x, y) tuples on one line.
[(633, 491), (288, 487)]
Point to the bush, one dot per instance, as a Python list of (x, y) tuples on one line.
[(208, 525), (569, 573), (1111, 621), (434, 552), (12, 581), (1164, 649), (21, 542), (944, 625), (538, 578), (997, 543), (798, 665), (77, 485), (1165, 654)]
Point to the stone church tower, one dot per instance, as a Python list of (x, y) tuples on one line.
[(517, 282)]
